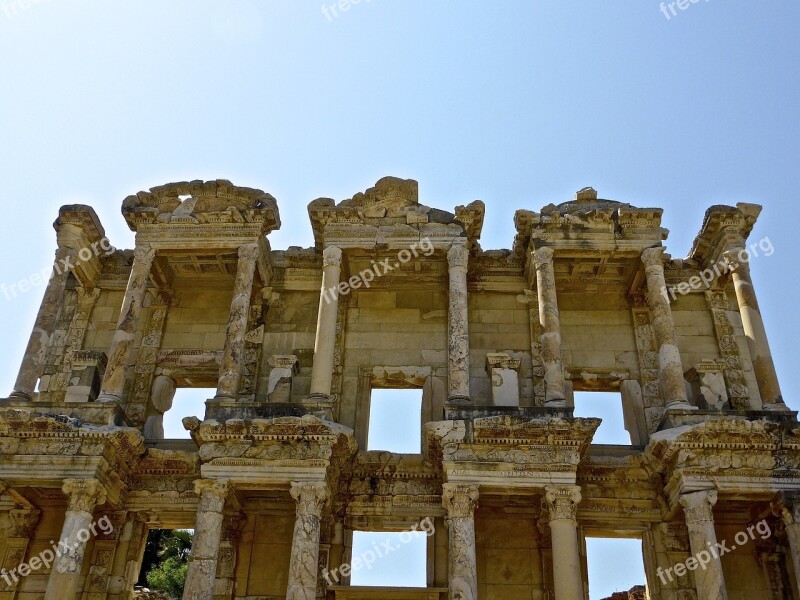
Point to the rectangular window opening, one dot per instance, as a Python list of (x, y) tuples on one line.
[(383, 559), (165, 560), (608, 407), (616, 566), (188, 402), (395, 421)]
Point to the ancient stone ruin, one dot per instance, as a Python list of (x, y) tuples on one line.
[(394, 294)]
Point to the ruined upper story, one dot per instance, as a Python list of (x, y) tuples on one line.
[(204, 301)]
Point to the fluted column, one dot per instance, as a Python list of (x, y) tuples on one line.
[(44, 326), (754, 331), (119, 355), (670, 369), (458, 325), (460, 501), (311, 499), (561, 504), (207, 535), (83, 495), (230, 370), (550, 323), (697, 508), (325, 342)]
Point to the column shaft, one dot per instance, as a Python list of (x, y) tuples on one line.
[(311, 499), (325, 342), (697, 507), (460, 501), (83, 495), (207, 535), (44, 326), (230, 370), (669, 358), (562, 504), (458, 325), (119, 356), (755, 332), (550, 322)]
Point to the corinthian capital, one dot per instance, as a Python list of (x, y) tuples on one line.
[(542, 256), (562, 502), (311, 497), (460, 500), (212, 494), (332, 256), (458, 256), (697, 506), (651, 257), (23, 522), (83, 494), (144, 253), (248, 252)]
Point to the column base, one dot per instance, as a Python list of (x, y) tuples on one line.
[(318, 397), (680, 406), (557, 403), (19, 394), (459, 400), (107, 398), (219, 398), (776, 407)]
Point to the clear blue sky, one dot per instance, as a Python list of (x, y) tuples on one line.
[(518, 103)]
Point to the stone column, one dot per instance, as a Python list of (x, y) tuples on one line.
[(207, 536), (230, 370), (670, 369), (325, 343), (23, 524), (311, 499), (460, 501), (789, 511), (31, 368), (755, 331), (550, 323), (83, 495), (119, 356), (697, 508), (562, 506), (458, 325)]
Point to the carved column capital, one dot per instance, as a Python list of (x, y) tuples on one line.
[(212, 494), (144, 253), (652, 257), (23, 522), (736, 261), (787, 507), (562, 502), (460, 500), (311, 497), (458, 256), (332, 256), (232, 526), (249, 252), (83, 494), (4, 487), (697, 506), (542, 256)]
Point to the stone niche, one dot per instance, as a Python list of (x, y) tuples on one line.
[(706, 385), (88, 368), (503, 372)]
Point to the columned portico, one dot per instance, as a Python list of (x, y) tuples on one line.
[(230, 371), (550, 323), (670, 368), (458, 324), (697, 508), (212, 495), (562, 506), (754, 330), (83, 495), (119, 356), (325, 342), (311, 499), (460, 501)]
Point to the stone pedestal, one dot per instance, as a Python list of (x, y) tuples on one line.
[(458, 325), (755, 332), (562, 506), (230, 370), (503, 373), (119, 356), (697, 507), (670, 369), (207, 535), (83, 495), (460, 501), (550, 323), (325, 342), (311, 499), (43, 328)]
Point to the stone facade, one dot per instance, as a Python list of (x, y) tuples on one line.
[(395, 294)]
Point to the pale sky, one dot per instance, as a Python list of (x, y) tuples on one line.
[(518, 103)]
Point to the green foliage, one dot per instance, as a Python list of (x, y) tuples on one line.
[(166, 561), (169, 577)]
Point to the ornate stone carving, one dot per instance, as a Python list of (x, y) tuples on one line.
[(311, 497), (460, 500), (562, 502), (83, 494)]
